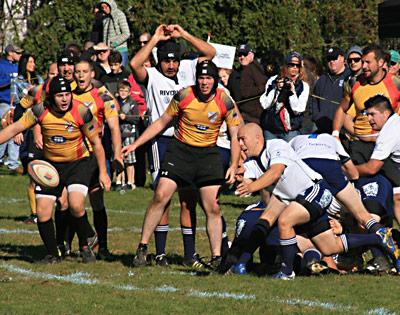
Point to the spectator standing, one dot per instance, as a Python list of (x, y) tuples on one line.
[(252, 84), (8, 71), (128, 122), (285, 100), (117, 74), (394, 62), (115, 29), (328, 91), (101, 66)]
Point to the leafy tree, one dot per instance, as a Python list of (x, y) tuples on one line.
[(308, 26)]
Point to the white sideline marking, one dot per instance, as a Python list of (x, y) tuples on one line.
[(84, 278), (222, 295), (11, 200), (17, 231), (111, 230)]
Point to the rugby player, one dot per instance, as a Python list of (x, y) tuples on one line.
[(192, 158), (104, 109), (274, 163), (162, 82), (64, 125)]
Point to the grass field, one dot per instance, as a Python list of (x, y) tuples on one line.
[(116, 288)]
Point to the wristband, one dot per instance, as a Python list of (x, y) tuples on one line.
[(335, 133)]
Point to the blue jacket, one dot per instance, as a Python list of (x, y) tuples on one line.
[(8, 70), (331, 89)]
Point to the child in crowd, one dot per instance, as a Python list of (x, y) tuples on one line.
[(128, 119)]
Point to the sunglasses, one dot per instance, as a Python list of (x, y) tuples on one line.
[(292, 65), (392, 63), (143, 42), (355, 60), (243, 54), (101, 52)]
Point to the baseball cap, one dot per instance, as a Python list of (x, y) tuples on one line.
[(168, 49), (244, 49), (333, 53), (394, 55), (66, 57), (354, 49), (58, 85), (12, 48), (291, 55)]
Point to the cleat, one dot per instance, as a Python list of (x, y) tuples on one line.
[(378, 265), (140, 258), (49, 260), (104, 254), (318, 267), (87, 255), (31, 219), (196, 262), (387, 241), (214, 263), (283, 276), (161, 260), (239, 269), (93, 241)]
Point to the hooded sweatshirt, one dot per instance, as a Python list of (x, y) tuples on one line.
[(115, 28)]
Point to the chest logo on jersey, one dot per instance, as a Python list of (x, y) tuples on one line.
[(212, 117), (69, 126), (88, 104), (371, 189), (201, 127), (58, 139)]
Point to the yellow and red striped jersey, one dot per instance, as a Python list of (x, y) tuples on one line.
[(199, 122)]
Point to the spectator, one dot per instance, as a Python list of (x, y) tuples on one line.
[(96, 35), (8, 71), (328, 91), (224, 76), (394, 62), (101, 66), (53, 70), (285, 100), (128, 123), (117, 74), (115, 28), (252, 84)]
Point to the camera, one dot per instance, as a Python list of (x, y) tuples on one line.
[(286, 83)]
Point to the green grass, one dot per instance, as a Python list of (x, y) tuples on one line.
[(116, 288)]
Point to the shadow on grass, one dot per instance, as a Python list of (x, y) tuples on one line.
[(27, 253), (20, 218)]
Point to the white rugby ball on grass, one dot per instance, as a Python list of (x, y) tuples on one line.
[(43, 173)]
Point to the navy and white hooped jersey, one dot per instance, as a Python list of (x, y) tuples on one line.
[(248, 218), (321, 146), (162, 89), (376, 188), (296, 177)]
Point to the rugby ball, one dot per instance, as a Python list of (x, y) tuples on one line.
[(43, 173)]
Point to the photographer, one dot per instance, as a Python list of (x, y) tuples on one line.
[(285, 100)]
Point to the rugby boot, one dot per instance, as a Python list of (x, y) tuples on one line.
[(140, 258)]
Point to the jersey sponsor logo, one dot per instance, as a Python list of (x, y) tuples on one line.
[(58, 139), (325, 199), (212, 117), (69, 126), (168, 92), (201, 127), (164, 173), (371, 189), (239, 226)]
